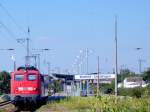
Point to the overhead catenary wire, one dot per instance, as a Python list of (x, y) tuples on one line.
[(11, 34), (12, 19), (17, 25)]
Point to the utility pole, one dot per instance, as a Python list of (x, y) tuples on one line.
[(140, 60), (98, 76), (28, 49), (87, 60), (39, 61), (116, 57), (49, 68), (14, 61), (22, 40), (27, 57), (37, 56), (35, 59), (140, 65)]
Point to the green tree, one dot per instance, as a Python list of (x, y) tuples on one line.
[(108, 88), (125, 73), (146, 75), (4, 82), (56, 85)]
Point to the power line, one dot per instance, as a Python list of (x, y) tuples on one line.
[(12, 19), (11, 34)]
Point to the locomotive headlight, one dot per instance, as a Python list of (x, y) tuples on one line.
[(34, 89), (20, 88), (31, 88), (26, 89)]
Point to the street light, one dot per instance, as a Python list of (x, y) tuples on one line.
[(140, 60), (37, 55), (83, 60), (11, 49), (138, 48), (43, 49), (116, 56), (98, 72)]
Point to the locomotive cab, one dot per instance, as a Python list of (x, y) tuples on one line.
[(27, 85)]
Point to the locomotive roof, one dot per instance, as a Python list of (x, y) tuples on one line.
[(27, 68)]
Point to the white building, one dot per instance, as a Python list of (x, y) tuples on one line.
[(84, 83), (132, 82)]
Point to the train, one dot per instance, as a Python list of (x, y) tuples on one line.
[(28, 86)]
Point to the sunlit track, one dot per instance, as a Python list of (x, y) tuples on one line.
[(5, 103)]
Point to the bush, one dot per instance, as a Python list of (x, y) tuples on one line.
[(133, 92), (99, 104), (4, 97), (4, 82)]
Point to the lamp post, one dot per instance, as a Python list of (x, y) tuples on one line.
[(49, 68), (139, 60), (37, 56), (83, 60), (37, 60), (14, 61), (22, 40), (116, 57), (10, 49), (98, 91), (41, 50), (87, 61)]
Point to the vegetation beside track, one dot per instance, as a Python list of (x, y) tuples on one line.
[(100, 104)]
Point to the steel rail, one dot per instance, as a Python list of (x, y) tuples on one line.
[(5, 103)]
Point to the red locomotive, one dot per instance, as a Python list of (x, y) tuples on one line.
[(28, 86)]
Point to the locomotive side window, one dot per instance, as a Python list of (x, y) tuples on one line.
[(31, 77), (19, 77)]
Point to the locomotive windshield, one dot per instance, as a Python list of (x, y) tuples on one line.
[(31, 77), (19, 77)]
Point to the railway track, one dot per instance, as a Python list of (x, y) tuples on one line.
[(5, 103)]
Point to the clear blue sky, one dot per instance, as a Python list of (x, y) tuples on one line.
[(67, 26)]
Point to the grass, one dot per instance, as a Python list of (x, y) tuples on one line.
[(101, 104)]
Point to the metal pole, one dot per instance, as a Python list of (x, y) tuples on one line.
[(38, 61), (87, 61), (140, 66), (14, 65), (35, 61), (78, 67), (27, 47), (139, 61), (116, 57), (27, 57), (98, 77), (49, 65), (14, 62)]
